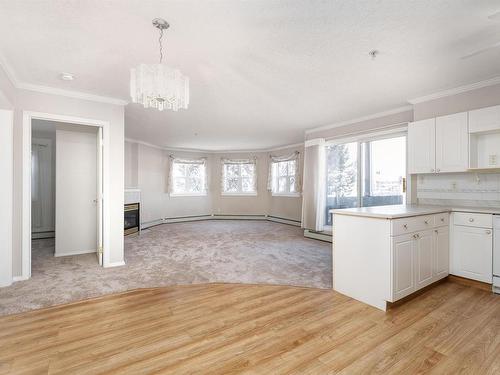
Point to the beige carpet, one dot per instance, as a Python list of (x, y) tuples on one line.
[(234, 251)]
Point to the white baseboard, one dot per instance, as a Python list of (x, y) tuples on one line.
[(19, 278), (75, 253), (114, 264), (318, 235)]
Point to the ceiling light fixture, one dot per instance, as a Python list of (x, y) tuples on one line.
[(157, 85), (67, 76)]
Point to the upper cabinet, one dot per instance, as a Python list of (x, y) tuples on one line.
[(438, 145), (484, 119), (452, 143), (422, 146), (484, 138)]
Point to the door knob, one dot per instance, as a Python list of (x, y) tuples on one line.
[(488, 232), (471, 220)]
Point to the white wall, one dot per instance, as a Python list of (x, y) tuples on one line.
[(24, 100), (6, 161), (76, 190)]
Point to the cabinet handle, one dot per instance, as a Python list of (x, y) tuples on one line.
[(436, 231), (432, 169), (426, 221), (488, 232), (471, 220), (405, 226), (442, 219), (438, 170)]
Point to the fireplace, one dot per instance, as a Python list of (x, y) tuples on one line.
[(132, 218)]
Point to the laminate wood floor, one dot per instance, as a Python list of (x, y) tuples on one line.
[(256, 329)]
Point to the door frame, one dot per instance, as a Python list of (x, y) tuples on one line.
[(28, 116)]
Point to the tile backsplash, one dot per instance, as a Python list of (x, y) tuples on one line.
[(467, 189)]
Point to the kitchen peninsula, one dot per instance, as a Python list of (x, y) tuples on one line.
[(382, 254)]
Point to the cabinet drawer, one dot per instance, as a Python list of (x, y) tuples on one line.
[(473, 220), (411, 224), (441, 220)]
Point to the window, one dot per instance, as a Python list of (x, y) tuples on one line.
[(284, 176), (188, 177), (365, 173), (238, 177)]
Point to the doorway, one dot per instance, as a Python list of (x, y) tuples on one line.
[(65, 190), (64, 184)]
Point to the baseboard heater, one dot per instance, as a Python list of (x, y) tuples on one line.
[(43, 235), (182, 219), (322, 236)]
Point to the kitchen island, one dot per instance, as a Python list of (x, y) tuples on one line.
[(382, 254)]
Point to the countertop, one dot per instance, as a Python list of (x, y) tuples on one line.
[(399, 211)]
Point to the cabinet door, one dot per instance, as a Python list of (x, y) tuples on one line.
[(452, 143), (442, 252), (424, 253), (472, 253), (403, 262), (422, 146), (484, 119)]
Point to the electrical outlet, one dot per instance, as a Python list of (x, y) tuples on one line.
[(492, 159)]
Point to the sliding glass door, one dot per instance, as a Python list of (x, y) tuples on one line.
[(365, 173), (383, 172)]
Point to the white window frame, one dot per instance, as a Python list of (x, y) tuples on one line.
[(368, 137), (240, 191), (276, 176), (203, 193)]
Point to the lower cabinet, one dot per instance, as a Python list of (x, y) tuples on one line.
[(419, 259), (472, 253)]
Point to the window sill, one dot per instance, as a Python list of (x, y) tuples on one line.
[(188, 194), (238, 194), (290, 195)]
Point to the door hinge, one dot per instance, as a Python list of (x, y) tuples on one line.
[(404, 184), (99, 250)]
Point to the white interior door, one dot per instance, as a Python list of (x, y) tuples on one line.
[(76, 181), (99, 197)]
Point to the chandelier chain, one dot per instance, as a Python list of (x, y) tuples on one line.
[(161, 46)]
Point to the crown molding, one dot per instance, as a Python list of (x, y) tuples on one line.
[(71, 94), (405, 108), (11, 75), (204, 151), (457, 90)]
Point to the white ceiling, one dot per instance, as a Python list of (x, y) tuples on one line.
[(261, 71)]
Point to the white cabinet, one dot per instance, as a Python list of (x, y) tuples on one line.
[(419, 259), (452, 143), (484, 119), (425, 255), (472, 253), (439, 144), (403, 266), (422, 146), (442, 252)]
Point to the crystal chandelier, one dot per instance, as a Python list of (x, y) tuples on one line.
[(157, 85)]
